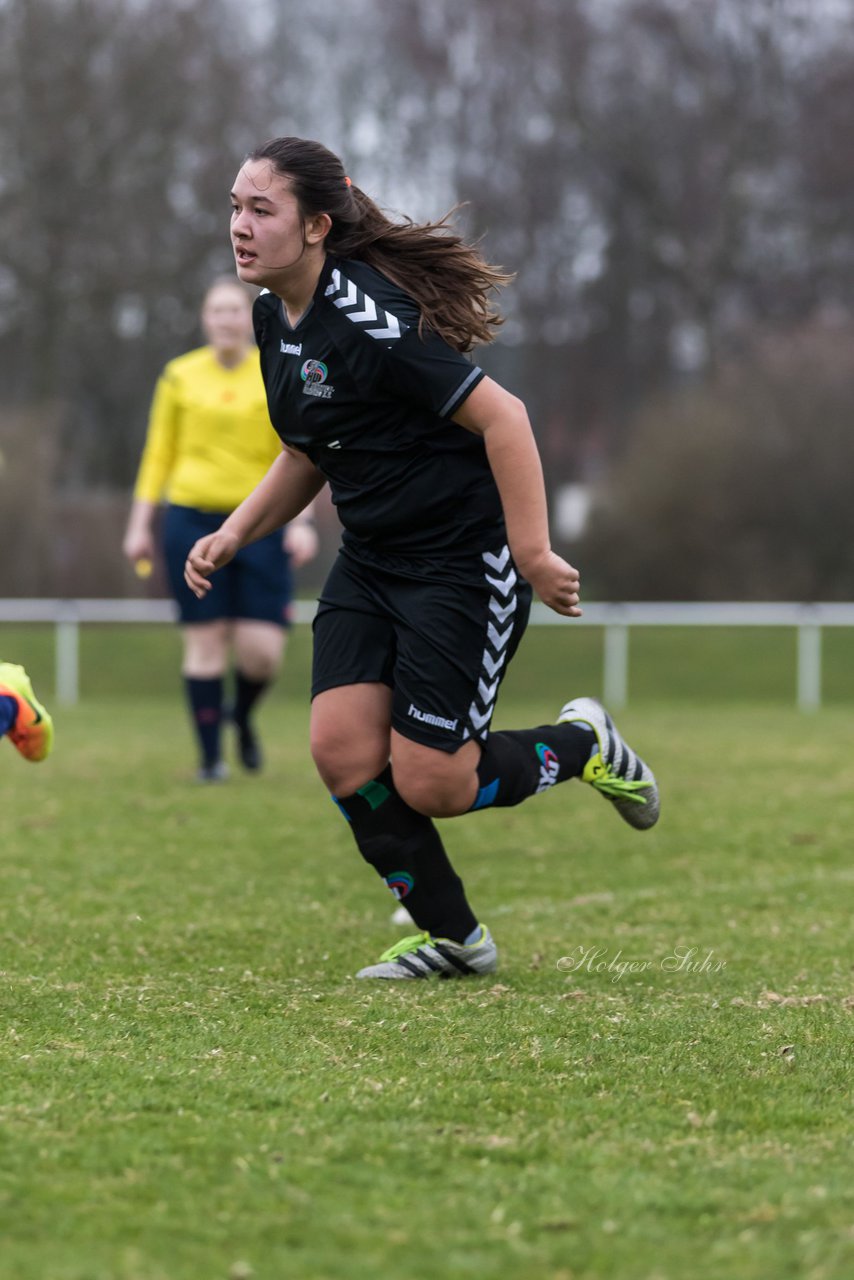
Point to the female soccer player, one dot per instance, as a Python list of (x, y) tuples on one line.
[(209, 443), (438, 484)]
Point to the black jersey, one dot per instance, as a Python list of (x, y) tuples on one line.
[(355, 386)]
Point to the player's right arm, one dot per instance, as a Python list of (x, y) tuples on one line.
[(156, 464), (138, 542), (292, 482)]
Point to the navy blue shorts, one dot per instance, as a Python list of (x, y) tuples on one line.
[(441, 636), (256, 585)]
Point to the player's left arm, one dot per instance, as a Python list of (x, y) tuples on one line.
[(502, 420)]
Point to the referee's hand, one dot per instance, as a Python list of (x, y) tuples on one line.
[(206, 556)]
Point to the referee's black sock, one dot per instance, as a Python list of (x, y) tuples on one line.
[(518, 763), (205, 698), (246, 694), (404, 847)]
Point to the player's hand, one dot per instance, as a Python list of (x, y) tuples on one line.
[(300, 541), (556, 583), (206, 556)]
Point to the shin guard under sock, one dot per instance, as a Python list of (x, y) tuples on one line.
[(205, 699), (518, 763), (405, 848)]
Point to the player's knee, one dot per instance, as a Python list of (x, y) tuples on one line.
[(345, 766), (205, 649), (441, 792), (330, 761), (258, 649), (262, 667)]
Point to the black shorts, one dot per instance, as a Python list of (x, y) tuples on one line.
[(255, 586), (439, 635)]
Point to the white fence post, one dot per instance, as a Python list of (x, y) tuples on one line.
[(809, 666), (615, 676), (67, 655)]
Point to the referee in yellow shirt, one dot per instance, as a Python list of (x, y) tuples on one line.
[(209, 443)]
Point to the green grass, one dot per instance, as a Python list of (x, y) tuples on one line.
[(194, 1087)]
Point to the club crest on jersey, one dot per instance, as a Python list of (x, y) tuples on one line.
[(314, 374)]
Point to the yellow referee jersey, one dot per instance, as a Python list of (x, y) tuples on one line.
[(209, 439)]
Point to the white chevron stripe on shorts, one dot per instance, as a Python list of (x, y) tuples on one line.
[(502, 606)]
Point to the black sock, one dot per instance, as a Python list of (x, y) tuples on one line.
[(404, 847), (518, 763), (205, 698), (246, 694)]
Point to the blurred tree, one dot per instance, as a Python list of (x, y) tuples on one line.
[(28, 454), (739, 489), (120, 126)]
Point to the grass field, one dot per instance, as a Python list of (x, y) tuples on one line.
[(655, 1086)]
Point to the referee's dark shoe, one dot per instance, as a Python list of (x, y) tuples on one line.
[(249, 748)]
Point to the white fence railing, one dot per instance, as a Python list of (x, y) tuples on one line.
[(615, 619)]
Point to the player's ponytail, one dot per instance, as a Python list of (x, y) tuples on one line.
[(448, 279)]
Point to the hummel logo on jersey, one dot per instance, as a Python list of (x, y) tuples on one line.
[(290, 348), (426, 718), (362, 310), (314, 374)]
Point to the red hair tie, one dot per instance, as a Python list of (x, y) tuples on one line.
[(348, 182)]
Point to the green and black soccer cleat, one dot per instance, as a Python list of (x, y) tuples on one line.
[(423, 956), (615, 770)]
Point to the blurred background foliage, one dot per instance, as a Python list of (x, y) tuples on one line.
[(671, 181)]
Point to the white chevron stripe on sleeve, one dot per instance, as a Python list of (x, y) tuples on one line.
[(351, 296), (377, 323), (392, 329), (368, 315)]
